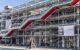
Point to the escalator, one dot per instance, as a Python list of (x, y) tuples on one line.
[(44, 14)]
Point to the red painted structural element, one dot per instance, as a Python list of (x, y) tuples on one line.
[(10, 33), (73, 2), (53, 9), (27, 24), (45, 16), (23, 27)]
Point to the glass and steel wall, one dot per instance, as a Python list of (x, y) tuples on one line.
[(52, 32)]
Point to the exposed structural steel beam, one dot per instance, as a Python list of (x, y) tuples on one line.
[(45, 16)]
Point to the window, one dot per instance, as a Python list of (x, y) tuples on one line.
[(0, 28), (69, 21), (0, 23), (20, 14), (60, 22), (4, 17), (20, 32), (8, 17), (3, 24)]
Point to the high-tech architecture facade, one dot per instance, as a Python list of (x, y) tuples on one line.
[(49, 23)]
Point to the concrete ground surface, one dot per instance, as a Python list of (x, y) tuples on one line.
[(13, 47), (24, 48), (46, 49)]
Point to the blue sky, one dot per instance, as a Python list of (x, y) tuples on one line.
[(11, 2)]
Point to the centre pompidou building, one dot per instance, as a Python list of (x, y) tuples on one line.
[(49, 23)]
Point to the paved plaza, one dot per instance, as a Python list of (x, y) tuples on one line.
[(46, 49)]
